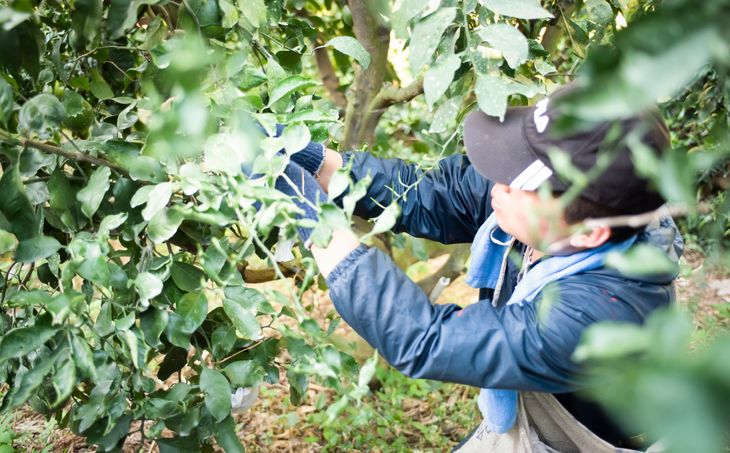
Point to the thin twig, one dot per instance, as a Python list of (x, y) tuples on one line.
[(639, 220)]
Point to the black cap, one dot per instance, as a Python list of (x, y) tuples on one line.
[(516, 151)]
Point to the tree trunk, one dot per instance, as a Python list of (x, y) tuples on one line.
[(375, 37)]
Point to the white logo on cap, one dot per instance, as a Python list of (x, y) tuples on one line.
[(539, 116)]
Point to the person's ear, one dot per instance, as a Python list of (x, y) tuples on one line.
[(597, 236)]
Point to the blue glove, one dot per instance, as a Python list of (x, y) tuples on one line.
[(306, 188), (310, 158)]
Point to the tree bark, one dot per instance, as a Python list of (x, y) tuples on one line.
[(329, 78), (375, 37)]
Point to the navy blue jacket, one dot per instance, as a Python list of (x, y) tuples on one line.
[(480, 345)]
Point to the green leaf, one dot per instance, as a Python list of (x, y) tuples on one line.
[(164, 225), (288, 86), (111, 222), (521, 9), (122, 15), (86, 21), (36, 248), (254, 11), (61, 194), (22, 47), (148, 285), (22, 340), (439, 77), (103, 325), (427, 35), (92, 195), (295, 138), (638, 78), (243, 315), (6, 102), (351, 47), (445, 116), (227, 437), (386, 220), (335, 409), (62, 304), (127, 118), (407, 10), (339, 182), (244, 373), (177, 444), (79, 114), (27, 383), (153, 322), (41, 115), (11, 17), (186, 276), (157, 199), (229, 13), (130, 339), (214, 259), (642, 259), (15, 205), (611, 340), (33, 297), (492, 93), (225, 152), (217, 393), (223, 340), (8, 242), (83, 357), (64, 379), (508, 40), (175, 359), (192, 307)]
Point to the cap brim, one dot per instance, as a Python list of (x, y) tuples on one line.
[(499, 150)]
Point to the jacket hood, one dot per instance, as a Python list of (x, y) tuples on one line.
[(661, 234)]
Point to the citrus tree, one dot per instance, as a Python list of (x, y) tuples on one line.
[(131, 240)]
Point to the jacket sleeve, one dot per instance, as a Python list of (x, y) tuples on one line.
[(479, 345), (447, 205)]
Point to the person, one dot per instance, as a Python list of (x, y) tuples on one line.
[(507, 198)]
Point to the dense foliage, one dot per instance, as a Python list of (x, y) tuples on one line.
[(130, 239)]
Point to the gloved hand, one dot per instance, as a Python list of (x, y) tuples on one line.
[(310, 158), (305, 192)]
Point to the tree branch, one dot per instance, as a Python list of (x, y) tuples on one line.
[(329, 78), (71, 155), (375, 37), (390, 95), (639, 220)]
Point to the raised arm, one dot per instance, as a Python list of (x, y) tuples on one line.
[(448, 205), (478, 345)]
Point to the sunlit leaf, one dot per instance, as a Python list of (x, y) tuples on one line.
[(426, 36), (508, 40), (92, 195), (351, 47), (492, 93), (521, 9), (407, 10), (439, 77), (288, 86)]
